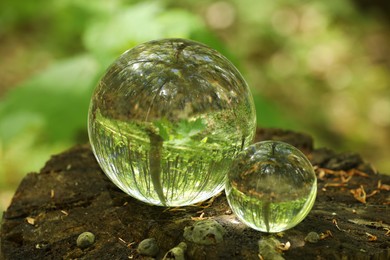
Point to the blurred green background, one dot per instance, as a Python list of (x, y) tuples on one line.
[(321, 67)]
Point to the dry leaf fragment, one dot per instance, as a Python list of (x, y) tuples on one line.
[(201, 217), (30, 220), (335, 184), (284, 246), (359, 194), (326, 234), (381, 186), (64, 212), (372, 193), (334, 221), (345, 179), (371, 237), (174, 209), (122, 240), (340, 178), (357, 172), (322, 172), (208, 203), (127, 244)]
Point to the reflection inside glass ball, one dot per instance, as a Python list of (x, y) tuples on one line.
[(166, 120), (271, 186)]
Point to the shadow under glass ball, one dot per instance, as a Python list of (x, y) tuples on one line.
[(166, 120), (271, 186)]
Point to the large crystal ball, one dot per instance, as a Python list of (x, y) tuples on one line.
[(271, 186), (167, 119)]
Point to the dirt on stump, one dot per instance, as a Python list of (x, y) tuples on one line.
[(71, 195)]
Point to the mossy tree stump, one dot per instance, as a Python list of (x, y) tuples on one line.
[(72, 195)]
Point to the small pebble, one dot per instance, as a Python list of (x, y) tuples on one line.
[(268, 248), (176, 253), (312, 237), (148, 247), (85, 239), (205, 232)]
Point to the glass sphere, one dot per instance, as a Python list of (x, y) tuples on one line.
[(167, 119), (271, 186)]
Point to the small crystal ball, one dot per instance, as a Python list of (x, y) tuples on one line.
[(271, 186), (167, 119)]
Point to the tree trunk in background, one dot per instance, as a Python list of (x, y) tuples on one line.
[(375, 6), (71, 195)]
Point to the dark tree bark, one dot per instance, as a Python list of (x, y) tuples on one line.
[(378, 6), (72, 195)]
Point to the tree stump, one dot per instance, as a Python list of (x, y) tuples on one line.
[(72, 195)]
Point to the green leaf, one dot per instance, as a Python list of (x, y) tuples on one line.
[(56, 100), (177, 23), (164, 127), (268, 114), (130, 26), (123, 29), (187, 129)]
